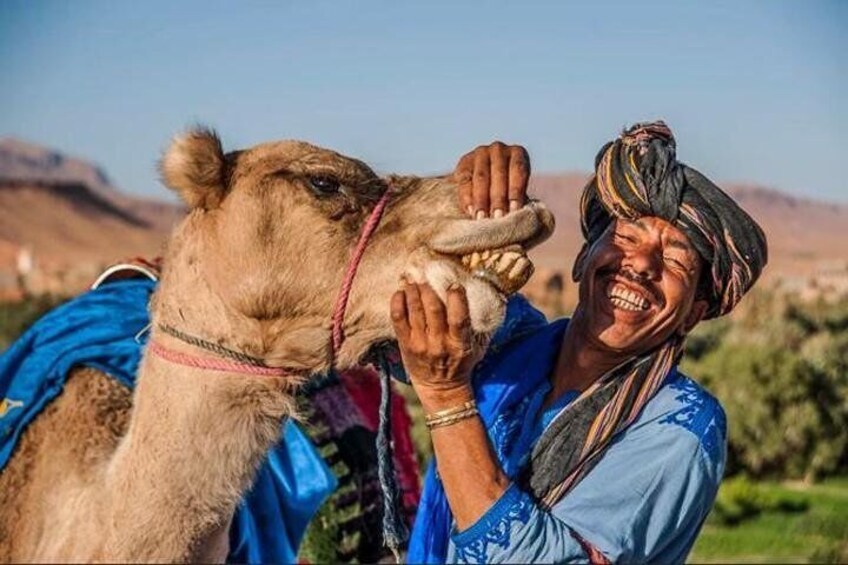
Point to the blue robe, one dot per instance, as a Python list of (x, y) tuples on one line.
[(99, 329), (644, 501)]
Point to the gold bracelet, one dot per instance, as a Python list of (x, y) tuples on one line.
[(452, 418), (450, 411)]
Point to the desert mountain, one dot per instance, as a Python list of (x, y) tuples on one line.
[(62, 220), (65, 216)]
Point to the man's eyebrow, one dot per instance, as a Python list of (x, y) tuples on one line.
[(672, 242), (680, 244)]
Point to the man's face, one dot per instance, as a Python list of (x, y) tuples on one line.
[(637, 286)]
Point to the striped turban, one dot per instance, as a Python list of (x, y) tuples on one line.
[(638, 175)]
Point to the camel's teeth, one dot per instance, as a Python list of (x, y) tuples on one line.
[(506, 261), (486, 254), (518, 270), (475, 260), (493, 260)]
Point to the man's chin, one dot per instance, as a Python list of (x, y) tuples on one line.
[(619, 330), (615, 339)]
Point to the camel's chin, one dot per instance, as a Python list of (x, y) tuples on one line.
[(486, 305), (485, 291)]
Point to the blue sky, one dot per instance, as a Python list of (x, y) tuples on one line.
[(754, 90)]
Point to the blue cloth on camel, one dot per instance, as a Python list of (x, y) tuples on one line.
[(98, 329)]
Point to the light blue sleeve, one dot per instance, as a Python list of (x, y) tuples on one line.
[(645, 500)]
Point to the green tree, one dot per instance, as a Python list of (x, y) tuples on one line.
[(779, 368)]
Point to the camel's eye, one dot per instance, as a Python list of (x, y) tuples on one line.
[(324, 185)]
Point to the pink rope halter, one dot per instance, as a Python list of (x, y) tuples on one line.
[(352, 266), (225, 365), (214, 363)]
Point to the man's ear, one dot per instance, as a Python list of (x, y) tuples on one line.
[(696, 314), (193, 166), (580, 263)]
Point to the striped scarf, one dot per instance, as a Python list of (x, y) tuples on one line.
[(638, 175)]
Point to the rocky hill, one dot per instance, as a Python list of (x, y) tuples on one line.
[(62, 221)]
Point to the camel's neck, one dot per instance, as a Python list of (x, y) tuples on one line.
[(195, 440)]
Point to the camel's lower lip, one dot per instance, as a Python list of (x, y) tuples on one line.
[(507, 269)]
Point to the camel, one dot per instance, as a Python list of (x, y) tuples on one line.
[(106, 474)]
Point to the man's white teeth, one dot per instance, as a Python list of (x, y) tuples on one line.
[(626, 299)]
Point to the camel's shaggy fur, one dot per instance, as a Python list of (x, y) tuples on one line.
[(105, 474)]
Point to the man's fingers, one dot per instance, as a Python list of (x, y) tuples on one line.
[(480, 182), (400, 317), (462, 176), (434, 309), (498, 192), (415, 309), (459, 321), (519, 176)]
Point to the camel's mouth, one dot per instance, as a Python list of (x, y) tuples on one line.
[(494, 250), (507, 269)]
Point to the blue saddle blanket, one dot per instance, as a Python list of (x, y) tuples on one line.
[(100, 329)]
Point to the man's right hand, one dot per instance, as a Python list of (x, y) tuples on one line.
[(493, 180)]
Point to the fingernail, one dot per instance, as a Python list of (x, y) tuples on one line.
[(470, 210), (481, 214), (498, 213), (514, 205), (453, 286)]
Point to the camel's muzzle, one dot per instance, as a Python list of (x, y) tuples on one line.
[(495, 250)]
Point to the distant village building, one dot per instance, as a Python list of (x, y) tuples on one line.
[(828, 281), (26, 262)]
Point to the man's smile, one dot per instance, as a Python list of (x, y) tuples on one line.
[(626, 299), (621, 295)]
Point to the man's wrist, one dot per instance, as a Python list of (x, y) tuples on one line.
[(436, 400)]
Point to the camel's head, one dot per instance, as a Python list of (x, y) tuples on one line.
[(269, 236)]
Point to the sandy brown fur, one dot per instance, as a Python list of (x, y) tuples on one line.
[(155, 475), (77, 432)]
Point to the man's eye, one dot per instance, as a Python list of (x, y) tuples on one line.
[(625, 237), (324, 185), (676, 262)]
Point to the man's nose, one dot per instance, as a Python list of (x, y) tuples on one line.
[(645, 261)]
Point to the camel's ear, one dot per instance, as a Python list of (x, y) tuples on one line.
[(193, 166)]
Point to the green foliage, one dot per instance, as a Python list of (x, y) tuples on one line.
[(16, 317), (780, 369), (741, 499), (818, 534)]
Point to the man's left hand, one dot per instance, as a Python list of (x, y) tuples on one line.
[(493, 180)]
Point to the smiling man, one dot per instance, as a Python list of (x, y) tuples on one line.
[(579, 440)]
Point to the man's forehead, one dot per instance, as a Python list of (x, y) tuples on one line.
[(671, 234)]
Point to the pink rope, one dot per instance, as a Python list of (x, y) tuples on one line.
[(353, 265), (213, 363)]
